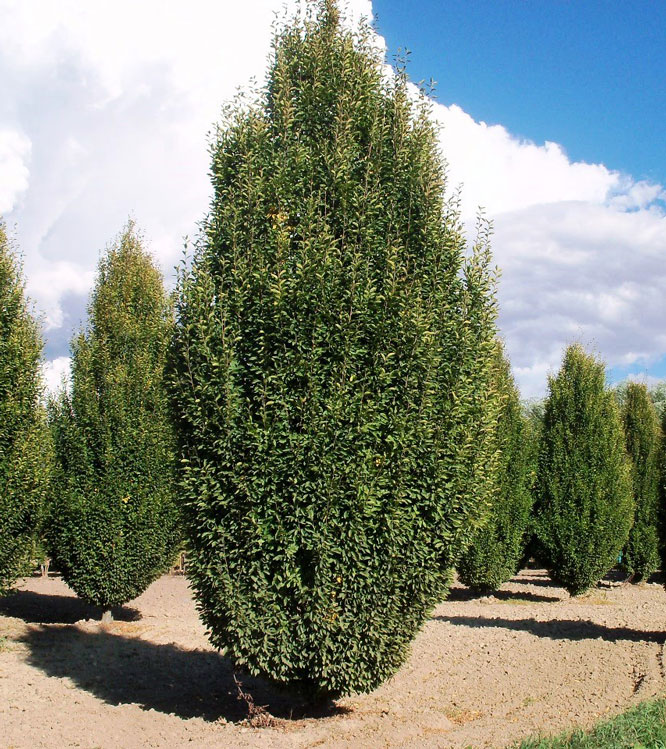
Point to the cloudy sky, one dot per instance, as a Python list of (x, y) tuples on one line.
[(106, 108)]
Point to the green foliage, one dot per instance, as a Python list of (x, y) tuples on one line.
[(533, 411), (641, 727), (643, 435), (25, 447), (498, 548), (585, 507), (657, 394), (331, 371), (113, 525), (658, 398)]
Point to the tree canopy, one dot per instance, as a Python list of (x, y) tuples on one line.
[(331, 372)]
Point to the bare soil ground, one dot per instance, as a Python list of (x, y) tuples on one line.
[(483, 672)]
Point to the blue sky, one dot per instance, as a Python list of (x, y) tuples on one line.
[(648, 374), (552, 117), (588, 75)]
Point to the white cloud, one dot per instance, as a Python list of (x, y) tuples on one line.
[(117, 99), (581, 271), (14, 174), (503, 173), (56, 374), (47, 284), (581, 248)]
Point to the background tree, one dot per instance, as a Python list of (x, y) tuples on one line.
[(533, 412), (658, 397), (498, 548), (643, 435), (113, 525), (657, 394), (331, 370), (25, 448), (584, 482)]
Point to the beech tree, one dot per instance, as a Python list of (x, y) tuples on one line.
[(25, 447), (113, 523), (331, 372), (584, 495), (643, 437)]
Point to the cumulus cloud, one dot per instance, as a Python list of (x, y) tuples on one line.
[(116, 100), (47, 284), (577, 271), (581, 248), (14, 174), (504, 173), (106, 112), (56, 374)]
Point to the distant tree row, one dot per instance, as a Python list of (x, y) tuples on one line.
[(656, 393), (581, 484)]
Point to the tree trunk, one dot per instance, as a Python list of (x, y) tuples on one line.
[(44, 566)]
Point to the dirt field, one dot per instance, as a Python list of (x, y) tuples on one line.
[(483, 672)]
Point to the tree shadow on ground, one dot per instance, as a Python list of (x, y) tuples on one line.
[(611, 579), (559, 629), (187, 683), (463, 594), (524, 595), (617, 577), (532, 578), (46, 608), (467, 594)]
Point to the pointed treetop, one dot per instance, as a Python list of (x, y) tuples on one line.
[(330, 12)]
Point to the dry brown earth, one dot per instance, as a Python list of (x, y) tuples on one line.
[(483, 672)]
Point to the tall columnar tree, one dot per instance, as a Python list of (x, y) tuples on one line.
[(643, 434), (113, 524), (498, 547), (331, 370), (25, 447), (584, 489)]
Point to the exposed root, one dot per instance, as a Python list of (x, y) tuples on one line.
[(257, 715)]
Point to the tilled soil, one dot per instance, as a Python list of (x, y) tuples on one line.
[(483, 672)]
